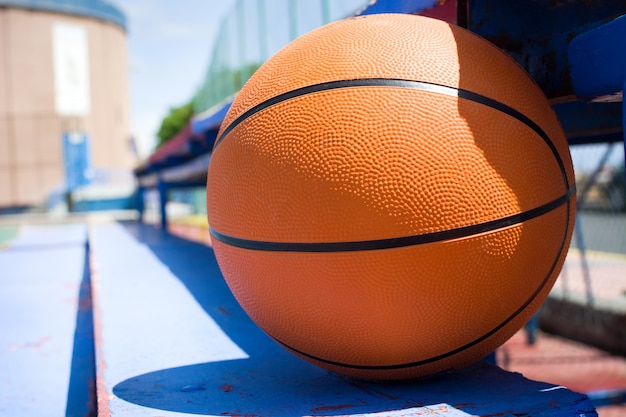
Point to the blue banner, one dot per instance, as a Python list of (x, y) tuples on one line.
[(76, 159)]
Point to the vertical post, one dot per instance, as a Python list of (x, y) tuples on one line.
[(162, 187), (140, 202), (293, 20), (262, 31), (212, 83), (531, 330), (462, 13), (578, 232), (325, 12), (223, 79), (69, 201), (241, 40), (582, 248)]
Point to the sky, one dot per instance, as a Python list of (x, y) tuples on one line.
[(169, 45)]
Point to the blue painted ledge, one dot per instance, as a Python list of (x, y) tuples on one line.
[(46, 342), (170, 337)]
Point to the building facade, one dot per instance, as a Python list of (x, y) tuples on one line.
[(63, 83)]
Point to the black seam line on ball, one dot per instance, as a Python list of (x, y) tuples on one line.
[(459, 349), (397, 242), (399, 83)]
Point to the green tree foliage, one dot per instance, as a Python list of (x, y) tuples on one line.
[(174, 122)]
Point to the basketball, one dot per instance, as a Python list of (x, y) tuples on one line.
[(390, 197)]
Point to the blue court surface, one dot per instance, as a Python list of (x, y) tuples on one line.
[(170, 340)]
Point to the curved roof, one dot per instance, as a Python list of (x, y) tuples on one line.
[(97, 9)]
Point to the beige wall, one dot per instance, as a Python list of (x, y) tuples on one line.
[(30, 130)]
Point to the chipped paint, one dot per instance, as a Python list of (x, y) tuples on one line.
[(102, 395)]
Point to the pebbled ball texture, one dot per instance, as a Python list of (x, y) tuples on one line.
[(468, 157)]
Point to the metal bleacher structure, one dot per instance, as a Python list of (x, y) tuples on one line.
[(125, 319)]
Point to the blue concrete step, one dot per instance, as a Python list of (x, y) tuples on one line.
[(172, 341), (46, 343)]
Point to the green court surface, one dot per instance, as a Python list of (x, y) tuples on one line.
[(7, 233)]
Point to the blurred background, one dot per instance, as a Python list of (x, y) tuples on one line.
[(112, 107)]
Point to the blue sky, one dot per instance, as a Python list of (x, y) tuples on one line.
[(169, 44)]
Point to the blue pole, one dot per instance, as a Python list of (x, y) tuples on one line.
[(140, 203), (162, 187)]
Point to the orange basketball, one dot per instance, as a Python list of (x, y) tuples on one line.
[(390, 197)]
